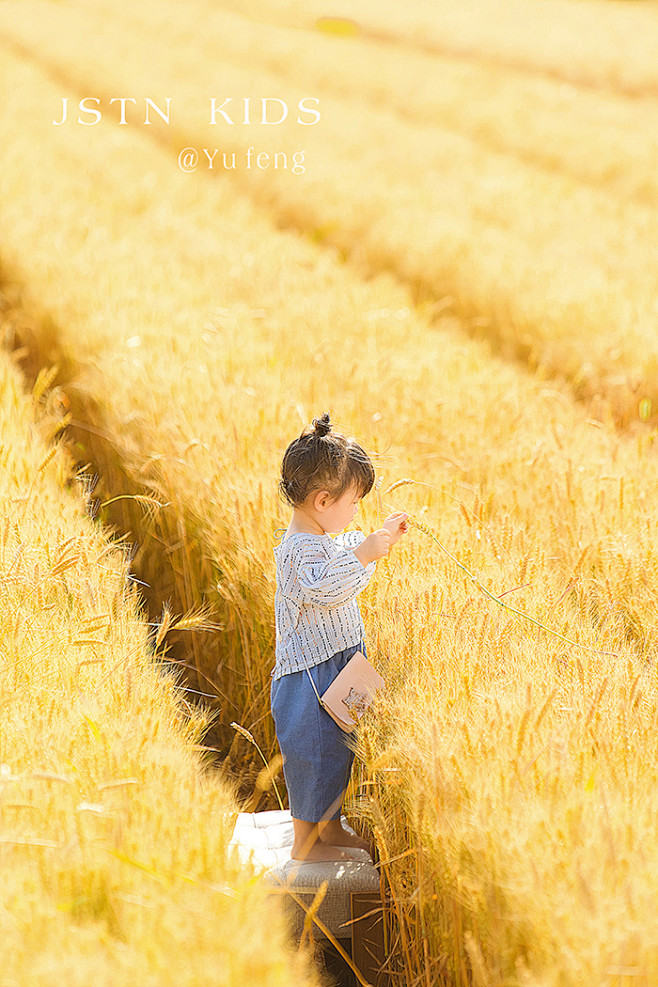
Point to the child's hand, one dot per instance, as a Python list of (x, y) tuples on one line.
[(375, 546), (397, 525)]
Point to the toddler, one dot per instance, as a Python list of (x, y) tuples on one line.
[(319, 626)]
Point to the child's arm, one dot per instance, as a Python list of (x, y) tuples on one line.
[(330, 582), (375, 546), (349, 539)]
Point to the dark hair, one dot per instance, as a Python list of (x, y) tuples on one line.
[(324, 460)]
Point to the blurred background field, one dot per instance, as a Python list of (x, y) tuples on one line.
[(464, 276)]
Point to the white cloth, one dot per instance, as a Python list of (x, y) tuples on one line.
[(316, 614), (263, 841)]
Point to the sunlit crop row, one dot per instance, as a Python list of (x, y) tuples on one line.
[(550, 255), (113, 864)]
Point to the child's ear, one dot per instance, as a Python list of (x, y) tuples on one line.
[(321, 500)]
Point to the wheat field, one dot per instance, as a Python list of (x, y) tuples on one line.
[(113, 837), (464, 276), (551, 253)]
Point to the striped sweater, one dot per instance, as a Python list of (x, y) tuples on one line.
[(316, 613)]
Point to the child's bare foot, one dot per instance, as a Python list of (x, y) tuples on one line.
[(308, 846), (318, 851), (332, 832)]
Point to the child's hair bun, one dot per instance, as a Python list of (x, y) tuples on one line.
[(322, 425)]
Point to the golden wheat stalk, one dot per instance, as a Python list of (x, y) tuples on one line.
[(165, 624), (422, 526), (313, 910), (267, 774), (50, 455), (286, 889), (398, 483), (147, 502), (44, 379), (67, 557), (248, 736), (196, 620)]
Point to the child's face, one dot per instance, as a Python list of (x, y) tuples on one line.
[(338, 514)]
